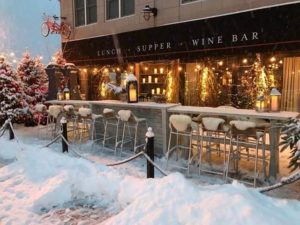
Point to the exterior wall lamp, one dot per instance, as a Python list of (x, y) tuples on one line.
[(148, 12)]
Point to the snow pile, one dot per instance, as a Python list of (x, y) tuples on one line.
[(41, 178)]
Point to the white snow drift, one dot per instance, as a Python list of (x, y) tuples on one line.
[(41, 178)]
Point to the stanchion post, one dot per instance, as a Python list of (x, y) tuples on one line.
[(63, 122), (150, 152), (11, 132)]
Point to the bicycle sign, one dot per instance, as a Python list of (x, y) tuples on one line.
[(51, 26)]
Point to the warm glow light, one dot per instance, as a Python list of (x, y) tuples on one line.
[(105, 70), (53, 58), (145, 68), (118, 69), (198, 67), (161, 70), (196, 70), (12, 54), (220, 63), (85, 70), (213, 68), (280, 61), (131, 67), (246, 71), (41, 57), (179, 68), (272, 59), (14, 61), (245, 61)]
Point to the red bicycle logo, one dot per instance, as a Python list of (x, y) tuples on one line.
[(50, 25)]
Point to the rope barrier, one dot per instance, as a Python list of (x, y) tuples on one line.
[(126, 160)]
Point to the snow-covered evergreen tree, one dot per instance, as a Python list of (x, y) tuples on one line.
[(33, 78), (11, 103), (59, 60)]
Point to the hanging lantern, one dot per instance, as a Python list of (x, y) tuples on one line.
[(260, 104), (59, 95), (67, 93), (132, 89), (275, 97)]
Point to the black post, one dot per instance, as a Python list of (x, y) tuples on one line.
[(64, 134), (150, 152), (11, 133)]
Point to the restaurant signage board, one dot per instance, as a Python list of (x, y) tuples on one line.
[(274, 28)]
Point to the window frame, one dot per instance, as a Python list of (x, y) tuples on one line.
[(85, 14), (192, 2), (119, 12)]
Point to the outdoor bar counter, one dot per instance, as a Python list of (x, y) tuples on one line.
[(155, 113), (275, 118)]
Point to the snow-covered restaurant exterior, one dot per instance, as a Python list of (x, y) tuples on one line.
[(198, 53), (193, 52)]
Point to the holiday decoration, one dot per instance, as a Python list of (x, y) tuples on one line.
[(11, 103), (208, 87), (33, 79)]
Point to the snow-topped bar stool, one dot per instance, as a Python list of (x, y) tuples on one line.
[(180, 126), (41, 113), (213, 130), (130, 121), (41, 117), (246, 133), (53, 125), (111, 128), (71, 117), (84, 121)]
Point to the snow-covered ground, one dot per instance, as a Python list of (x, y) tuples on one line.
[(43, 186)]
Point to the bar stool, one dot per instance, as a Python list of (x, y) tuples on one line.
[(196, 129), (213, 128), (84, 121), (52, 124), (71, 116), (130, 121), (110, 121), (180, 126), (245, 132), (41, 114)]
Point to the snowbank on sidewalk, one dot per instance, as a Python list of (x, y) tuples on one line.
[(41, 179)]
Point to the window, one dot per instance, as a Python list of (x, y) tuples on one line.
[(85, 12), (119, 8), (188, 1)]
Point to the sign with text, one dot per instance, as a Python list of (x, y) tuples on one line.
[(273, 29)]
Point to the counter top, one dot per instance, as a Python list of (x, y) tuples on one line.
[(135, 105), (114, 103), (284, 115)]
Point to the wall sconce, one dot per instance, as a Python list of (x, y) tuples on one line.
[(67, 93), (275, 97), (148, 12), (132, 89)]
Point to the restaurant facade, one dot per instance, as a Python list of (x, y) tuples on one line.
[(194, 52)]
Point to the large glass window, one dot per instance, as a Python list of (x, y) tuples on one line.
[(85, 12), (119, 8)]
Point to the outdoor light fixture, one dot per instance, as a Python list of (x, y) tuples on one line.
[(148, 12), (67, 93), (132, 89), (260, 105), (60, 95), (275, 96)]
